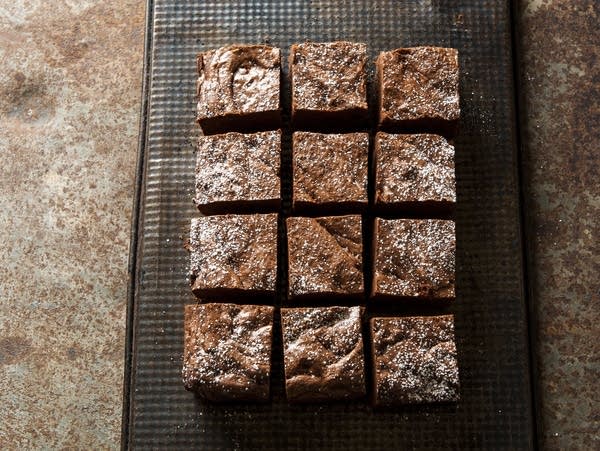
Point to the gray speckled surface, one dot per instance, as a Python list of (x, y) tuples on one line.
[(69, 105), (69, 101), (560, 72)]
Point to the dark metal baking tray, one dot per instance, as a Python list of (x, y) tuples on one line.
[(495, 411)]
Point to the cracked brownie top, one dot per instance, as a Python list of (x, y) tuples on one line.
[(330, 167), (227, 351), (323, 353), (329, 76), (325, 255), (414, 360), (238, 79), (233, 252)]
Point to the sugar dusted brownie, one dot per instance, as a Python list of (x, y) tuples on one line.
[(323, 353), (238, 172), (414, 258), (330, 171), (227, 351), (414, 172), (414, 360), (238, 89), (325, 257), (418, 89), (329, 85), (233, 255)]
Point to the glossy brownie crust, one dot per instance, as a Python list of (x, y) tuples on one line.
[(325, 257), (329, 85), (323, 354), (414, 258), (227, 351), (238, 89), (238, 172), (414, 173), (330, 172), (418, 90), (233, 255), (415, 360)]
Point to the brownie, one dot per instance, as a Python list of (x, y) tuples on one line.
[(238, 89), (414, 258), (238, 173), (418, 89), (329, 85), (414, 173), (323, 354), (325, 257), (233, 255), (330, 172), (414, 360), (227, 351)]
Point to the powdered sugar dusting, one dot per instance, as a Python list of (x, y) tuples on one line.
[(234, 252), (330, 167), (329, 76), (227, 352), (415, 257), (325, 255), (236, 166), (420, 82), (323, 353), (415, 359), (238, 79), (414, 168)]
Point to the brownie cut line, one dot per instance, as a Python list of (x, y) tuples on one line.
[(329, 85), (323, 354), (227, 351), (233, 256), (330, 172), (238, 89), (238, 172), (325, 258), (414, 258), (414, 173), (418, 90), (414, 360)]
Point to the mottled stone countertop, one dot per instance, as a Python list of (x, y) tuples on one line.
[(69, 109)]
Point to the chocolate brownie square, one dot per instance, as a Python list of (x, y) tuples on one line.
[(329, 85), (227, 351), (414, 360), (238, 173), (414, 173), (330, 172), (238, 89), (414, 258), (418, 89), (323, 354), (233, 255), (325, 257)]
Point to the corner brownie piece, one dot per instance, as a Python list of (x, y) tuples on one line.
[(238, 88), (233, 255), (325, 257), (414, 258), (238, 172), (329, 85), (323, 353), (414, 360), (418, 89), (330, 172), (414, 172), (227, 351)]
